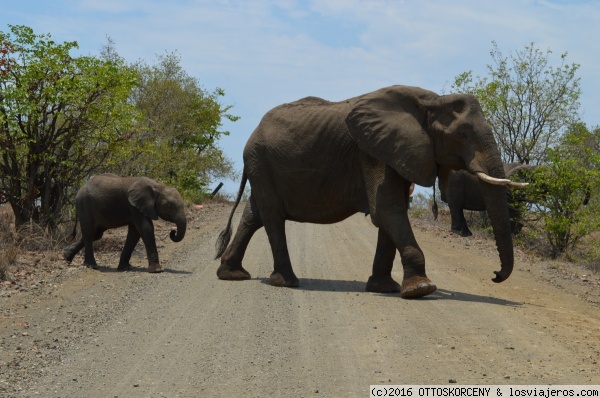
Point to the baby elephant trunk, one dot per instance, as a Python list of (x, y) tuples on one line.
[(179, 234)]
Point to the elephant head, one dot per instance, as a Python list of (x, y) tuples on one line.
[(155, 200), (422, 135)]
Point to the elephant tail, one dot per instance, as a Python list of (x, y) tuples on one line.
[(225, 235), (434, 207)]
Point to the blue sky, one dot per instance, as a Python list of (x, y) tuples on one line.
[(267, 52)]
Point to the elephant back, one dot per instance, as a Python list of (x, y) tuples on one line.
[(303, 126)]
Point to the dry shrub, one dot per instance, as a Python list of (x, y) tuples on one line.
[(587, 252), (8, 247), (532, 240), (33, 237), (8, 256), (7, 220), (30, 243)]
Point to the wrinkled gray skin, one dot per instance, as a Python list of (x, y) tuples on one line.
[(108, 201), (318, 161), (462, 191)]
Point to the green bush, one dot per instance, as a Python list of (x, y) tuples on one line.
[(566, 191)]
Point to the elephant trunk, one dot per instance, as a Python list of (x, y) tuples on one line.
[(496, 203), (178, 235)]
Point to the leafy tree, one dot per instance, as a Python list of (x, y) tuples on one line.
[(528, 102), (60, 116), (563, 188), (176, 138)]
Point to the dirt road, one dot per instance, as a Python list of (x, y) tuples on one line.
[(184, 333)]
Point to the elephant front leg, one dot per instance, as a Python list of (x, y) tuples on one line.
[(381, 281), (392, 206), (388, 195), (459, 222), (146, 231), (133, 237), (415, 282)]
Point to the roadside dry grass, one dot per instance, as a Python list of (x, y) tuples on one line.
[(8, 248), (26, 255), (32, 257)]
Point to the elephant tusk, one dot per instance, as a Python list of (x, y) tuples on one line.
[(492, 180), (501, 181), (518, 185)]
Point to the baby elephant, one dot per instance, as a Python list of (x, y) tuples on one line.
[(109, 201)]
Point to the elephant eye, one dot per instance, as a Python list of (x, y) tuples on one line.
[(465, 130)]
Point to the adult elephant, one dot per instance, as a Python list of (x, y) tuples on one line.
[(462, 191), (108, 201), (318, 161)]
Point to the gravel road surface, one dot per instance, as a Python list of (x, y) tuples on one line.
[(184, 333)]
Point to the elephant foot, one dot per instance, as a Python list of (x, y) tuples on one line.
[(155, 268), (382, 285), (277, 279), (227, 273), (416, 286), (68, 256), (92, 266), (461, 232), (124, 267)]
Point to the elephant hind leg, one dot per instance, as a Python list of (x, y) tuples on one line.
[(70, 251), (231, 259)]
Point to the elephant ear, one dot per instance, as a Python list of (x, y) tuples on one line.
[(143, 195), (391, 125)]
